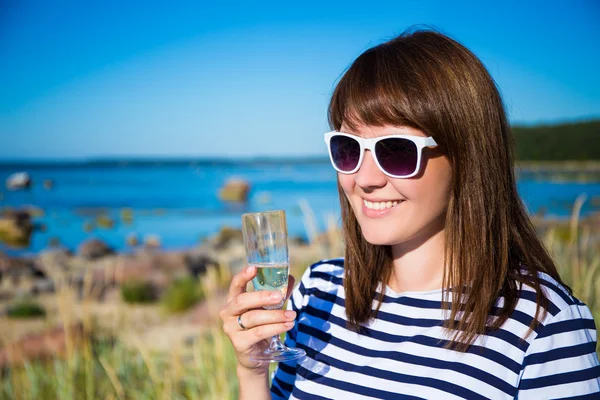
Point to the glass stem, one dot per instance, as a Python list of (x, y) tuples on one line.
[(276, 345)]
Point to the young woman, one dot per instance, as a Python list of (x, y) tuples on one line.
[(445, 291)]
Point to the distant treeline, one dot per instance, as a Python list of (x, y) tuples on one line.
[(572, 141), (577, 141)]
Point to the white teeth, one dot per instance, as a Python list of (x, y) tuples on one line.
[(380, 206)]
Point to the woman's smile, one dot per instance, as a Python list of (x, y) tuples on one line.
[(378, 209)]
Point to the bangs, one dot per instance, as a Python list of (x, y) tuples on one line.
[(378, 89)]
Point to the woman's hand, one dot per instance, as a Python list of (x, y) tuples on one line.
[(260, 324)]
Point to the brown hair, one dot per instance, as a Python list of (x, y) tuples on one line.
[(428, 81)]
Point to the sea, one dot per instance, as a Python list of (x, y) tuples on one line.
[(177, 200)]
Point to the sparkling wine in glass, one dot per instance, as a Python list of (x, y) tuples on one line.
[(266, 241)]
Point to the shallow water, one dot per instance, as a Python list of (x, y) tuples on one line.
[(179, 201)]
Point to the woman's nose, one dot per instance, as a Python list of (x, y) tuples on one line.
[(369, 175)]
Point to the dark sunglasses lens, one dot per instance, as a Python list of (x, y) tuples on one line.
[(397, 156), (345, 152)]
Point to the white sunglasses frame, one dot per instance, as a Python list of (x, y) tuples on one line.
[(369, 144)]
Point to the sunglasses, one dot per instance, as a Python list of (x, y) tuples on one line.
[(398, 156)]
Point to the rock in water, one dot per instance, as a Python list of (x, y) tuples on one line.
[(152, 242), (263, 198), (48, 184), (127, 216), (16, 229), (34, 211), (132, 240), (93, 249), (19, 180), (235, 190), (54, 242), (88, 227), (105, 221)]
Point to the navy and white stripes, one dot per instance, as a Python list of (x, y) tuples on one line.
[(401, 355)]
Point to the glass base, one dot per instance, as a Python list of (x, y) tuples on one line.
[(286, 354), (277, 352)]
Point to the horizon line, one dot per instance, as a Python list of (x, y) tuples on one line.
[(224, 159), (170, 160)]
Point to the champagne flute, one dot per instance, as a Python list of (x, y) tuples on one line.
[(266, 241)]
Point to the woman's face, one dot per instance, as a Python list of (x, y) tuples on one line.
[(422, 199)]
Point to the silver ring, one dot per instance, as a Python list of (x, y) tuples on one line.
[(240, 323)]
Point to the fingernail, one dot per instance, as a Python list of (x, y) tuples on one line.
[(290, 314), (289, 323), (250, 270), (275, 296)]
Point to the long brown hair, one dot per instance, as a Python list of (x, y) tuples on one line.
[(428, 81)]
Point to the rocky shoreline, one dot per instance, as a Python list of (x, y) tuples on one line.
[(93, 277), (104, 267)]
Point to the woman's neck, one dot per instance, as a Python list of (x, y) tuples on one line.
[(418, 264)]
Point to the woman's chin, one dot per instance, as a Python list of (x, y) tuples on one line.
[(379, 238)]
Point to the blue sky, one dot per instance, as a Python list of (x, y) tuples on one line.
[(254, 78)]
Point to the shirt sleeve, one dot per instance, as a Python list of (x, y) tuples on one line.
[(562, 362), (284, 376)]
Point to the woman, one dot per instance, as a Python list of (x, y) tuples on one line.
[(445, 291)]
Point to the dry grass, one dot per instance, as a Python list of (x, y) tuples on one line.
[(125, 367), (576, 250)]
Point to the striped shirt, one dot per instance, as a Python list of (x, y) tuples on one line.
[(400, 354)]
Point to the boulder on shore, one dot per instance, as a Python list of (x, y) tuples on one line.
[(18, 181), (55, 260), (93, 249), (235, 190), (19, 276), (226, 237), (198, 260)]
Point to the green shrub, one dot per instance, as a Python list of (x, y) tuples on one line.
[(26, 309), (138, 292), (182, 294)]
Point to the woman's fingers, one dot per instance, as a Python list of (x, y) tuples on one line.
[(251, 300), (239, 282), (245, 301), (249, 306), (245, 339), (254, 318)]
